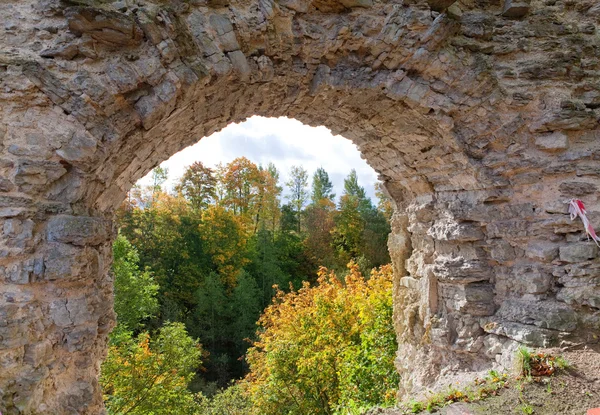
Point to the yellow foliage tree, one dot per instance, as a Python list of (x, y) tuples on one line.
[(326, 348)]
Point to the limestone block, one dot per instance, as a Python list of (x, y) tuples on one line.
[(123, 76), (168, 50), (409, 282), (77, 230), (150, 109), (581, 295), (460, 270), (493, 345), (218, 3), (449, 230), (336, 6), (59, 313), (81, 339), (297, 5), (578, 252), (240, 64), (440, 5), (543, 251), (150, 28), (515, 8), (522, 333), (67, 52), (38, 353), (502, 251), (556, 206), (474, 299), (357, 3), (508, 229), (6, 185), (532, 280), (577, 188), (36, 174), (104, 25), (67, 261), (547, 314), (225, 34), (80, 147), (556, 141)]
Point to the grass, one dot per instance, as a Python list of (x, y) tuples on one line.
[(534, 365), (527, 409), (530, 366), (481, 389)]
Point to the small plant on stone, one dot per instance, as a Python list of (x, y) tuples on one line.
[(523, 362), (527, 409), (416, 406), (549, 387), (536, 365)]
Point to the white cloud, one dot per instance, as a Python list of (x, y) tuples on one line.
[(282, 141)]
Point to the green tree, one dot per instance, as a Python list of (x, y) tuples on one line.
[(319, 228), (198, 185), (326, 347), (298, 186), (244, 310), (269, 212), (135, 290), (265, 265), (159, 177), (142, 377), (242, 182), (322, 188), (231, 401), (225, 240), (361, 230)]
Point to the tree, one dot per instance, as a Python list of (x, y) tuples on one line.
[(360, 229), (135, 290), (351, 186), (298, 185), (269, 213), (231, 401), (244, 308), (225, 241), (349, 227), (159, 177), (319, 228), (385, 203), (319, 221), (326, 347), (242, 182), (198, 185), (141, 376), (265, 266), (322, 188)]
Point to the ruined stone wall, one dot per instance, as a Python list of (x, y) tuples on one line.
[(481, 117)]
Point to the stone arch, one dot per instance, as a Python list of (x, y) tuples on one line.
[(480, 117)]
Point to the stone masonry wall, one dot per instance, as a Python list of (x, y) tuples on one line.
[(481, 117)]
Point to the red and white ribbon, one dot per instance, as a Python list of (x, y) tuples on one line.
[(577, 208)]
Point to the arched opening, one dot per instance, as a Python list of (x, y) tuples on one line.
[(474, 139), (291, 199)]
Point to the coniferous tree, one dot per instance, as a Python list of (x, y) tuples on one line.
[(322, 188)]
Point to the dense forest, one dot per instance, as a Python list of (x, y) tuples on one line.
[(230, 276)]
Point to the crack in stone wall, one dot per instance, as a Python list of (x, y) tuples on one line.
[(481, 117)]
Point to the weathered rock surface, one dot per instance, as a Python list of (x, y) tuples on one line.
[(481, 117)]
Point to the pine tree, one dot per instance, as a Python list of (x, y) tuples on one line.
[(322, 188)]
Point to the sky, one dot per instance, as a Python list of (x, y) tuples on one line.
[(283, 141)]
